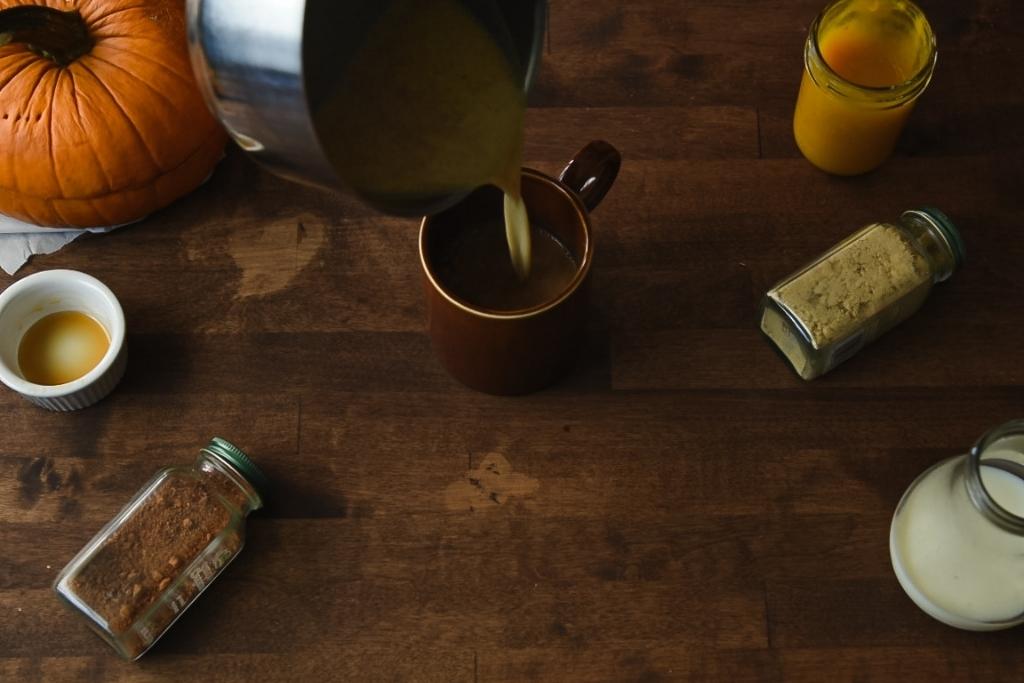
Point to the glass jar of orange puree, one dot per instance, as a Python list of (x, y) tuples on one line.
[(865, 64)]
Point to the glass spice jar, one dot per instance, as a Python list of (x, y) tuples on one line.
[(957, 536), (828, 310), (154, 558)]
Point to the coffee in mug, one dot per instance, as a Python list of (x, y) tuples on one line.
[(491, 329), (473, 265)]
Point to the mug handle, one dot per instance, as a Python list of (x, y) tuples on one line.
[(591, 172)]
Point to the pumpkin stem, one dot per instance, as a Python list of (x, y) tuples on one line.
[(60, 36)]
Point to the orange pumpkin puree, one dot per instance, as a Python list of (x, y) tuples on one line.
[(847, 122)]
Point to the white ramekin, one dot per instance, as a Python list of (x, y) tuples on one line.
[(38, 295)]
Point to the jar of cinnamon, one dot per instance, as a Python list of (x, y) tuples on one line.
[(150, 563)]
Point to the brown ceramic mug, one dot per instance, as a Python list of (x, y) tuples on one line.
[(519, 351)]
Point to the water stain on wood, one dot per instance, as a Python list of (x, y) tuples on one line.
[(492, 483), (30, 479), (271, 257), (38, 477), (69, 507), (268, 253), (607, 29)]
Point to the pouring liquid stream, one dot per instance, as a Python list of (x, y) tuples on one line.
[(517, 232), (430, 105)]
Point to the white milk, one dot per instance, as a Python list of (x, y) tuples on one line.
[(955, 563)]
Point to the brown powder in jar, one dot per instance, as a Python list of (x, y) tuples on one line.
[(840, 293), (134, 567)]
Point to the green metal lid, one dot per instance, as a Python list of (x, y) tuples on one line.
[(946, 229), (234, 456)]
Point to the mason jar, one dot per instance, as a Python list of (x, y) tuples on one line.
[(134, 579), (957, 537), (827, 311), (865, 64)]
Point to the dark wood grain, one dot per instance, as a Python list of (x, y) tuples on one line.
[(693, 511)]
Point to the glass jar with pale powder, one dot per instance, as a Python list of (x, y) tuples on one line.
[(827, 311), (957, 537)]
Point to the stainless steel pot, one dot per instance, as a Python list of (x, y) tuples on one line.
[(264, 65)]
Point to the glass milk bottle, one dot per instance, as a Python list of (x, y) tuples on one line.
[(957, 538)]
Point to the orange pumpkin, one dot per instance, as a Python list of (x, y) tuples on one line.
[(101, 121)]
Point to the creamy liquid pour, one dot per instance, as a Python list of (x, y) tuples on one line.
[(517, 234), (429, 105), (954, 563)]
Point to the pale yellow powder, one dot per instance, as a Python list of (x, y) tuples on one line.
[(840, 293)]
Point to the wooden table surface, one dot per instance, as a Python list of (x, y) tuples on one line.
[(681, 507)]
